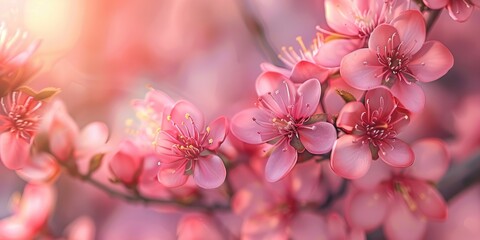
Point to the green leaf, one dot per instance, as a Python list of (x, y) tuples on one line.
[(95, 162), (46, 93), (346, 96), (320, 117)]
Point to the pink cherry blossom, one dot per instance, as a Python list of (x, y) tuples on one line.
[(370, 132), (185, 145), (401, 199), (459, 10), (195, 226), (31, 213), (19, 119), (282, 116), (397, 56), (126, 163), (351, 22)]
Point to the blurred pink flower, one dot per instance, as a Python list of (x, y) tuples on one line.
[(397, 56), (283, 116), (19, 120), (401, 199), (15, 53), (185, 144), (352, 23), (459, 10), (126, 163), (467, 138), (371, 132), (196, 226), (30, 213)]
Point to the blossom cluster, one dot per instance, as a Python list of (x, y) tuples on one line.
[(319, 149)]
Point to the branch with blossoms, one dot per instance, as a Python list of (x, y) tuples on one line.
[(320, 149)]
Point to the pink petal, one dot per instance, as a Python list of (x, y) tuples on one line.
[(308, 98), (264, 226), (396, 153), (383, 37), (337, 227), (402, 224), (350, 115), (304, 70), (209, 172), (318, 138), (125, 163), (251, 200), (14, 152), (428, 200), (37, 203), (373, 204), (82, 228), (380, 98), (361, 69), (411, 27), (158, 101), (332, 52), (460, 10), (431, 62), (62, 133), (305, 182), (92, 136), (431, 160), (218, 131), (268, 67), (193, 224), (436, 4), (379, 172), (245, 128), (350, 159), (41, 168), (185, 115), (340, 17), (410, 95), (305, 225), (269, 82), (172, 174), (280, 162), (23, 57)]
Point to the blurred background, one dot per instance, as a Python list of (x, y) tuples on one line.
[(103, 54)]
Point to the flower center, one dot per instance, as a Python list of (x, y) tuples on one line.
[(20, 114), (290, 57)]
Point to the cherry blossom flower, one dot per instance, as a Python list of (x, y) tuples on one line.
[(397, 56), (30, 213), (459, 10), (402, 199), (19, 120), (184, 145), (282, 116), (371, 132), (351, 22), (302, 64), (193, 224), (15, 53)]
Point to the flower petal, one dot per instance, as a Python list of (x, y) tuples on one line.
[(172, 174), (269, 82), (410, 95), (373, 204), (380, 98), (332, 100), (41, 168), (396, 153), (308, 98), (384, 36), (253, 126), (350, 115), (436, 4), (14, 152), (217, 132), (431, 160), (264, 226), (411, 27), (280, 162), (332, 52), (428, 200), (402, 224), (338, 14), (193, 224), (92, 136), (209, 172), (361, 69), (431, 62), (304, 70), (318, 138), (460, 10), (350, 159), (187, 115), (378, 173)]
